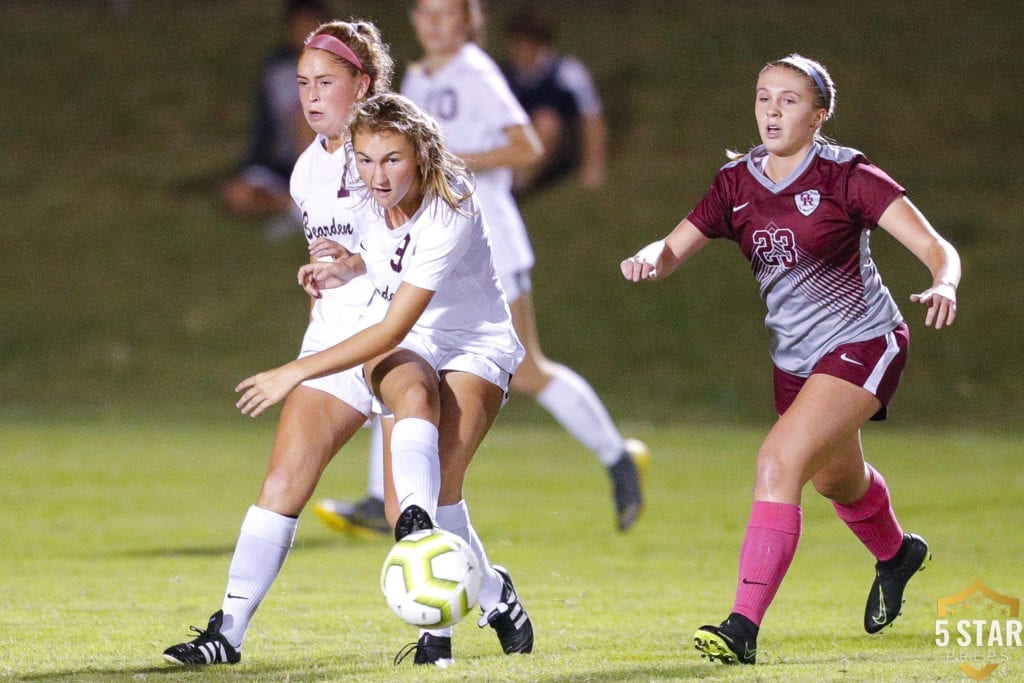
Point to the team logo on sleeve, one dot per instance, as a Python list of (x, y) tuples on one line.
[(807, 201)]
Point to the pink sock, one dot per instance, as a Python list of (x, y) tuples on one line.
[(769, 545), (872, 520)]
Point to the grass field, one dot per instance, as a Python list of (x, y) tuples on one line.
[(130, 305), (117, 537)]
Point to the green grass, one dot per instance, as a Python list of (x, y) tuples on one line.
[(116, 537)]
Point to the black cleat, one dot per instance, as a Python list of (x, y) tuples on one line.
[(891, 577), (210, 647), (627, 477), (363, 519), (429, 649), (734, 641), (413, 518), (509, 620)]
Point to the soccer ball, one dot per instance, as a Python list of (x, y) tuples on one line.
[(431, 578)]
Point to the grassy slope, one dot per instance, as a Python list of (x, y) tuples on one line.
[(115, 539), (123, 295)]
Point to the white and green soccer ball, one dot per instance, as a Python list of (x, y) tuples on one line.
[(431, 578)]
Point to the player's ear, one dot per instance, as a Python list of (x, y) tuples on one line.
[(363, 87)]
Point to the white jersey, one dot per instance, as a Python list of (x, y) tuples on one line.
[(448, 253), (326, 188), (474, 105)]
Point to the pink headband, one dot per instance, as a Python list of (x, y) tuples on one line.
[(325, 41)]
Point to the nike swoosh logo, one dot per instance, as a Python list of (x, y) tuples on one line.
[(850, 360), (882, 612), (754, 583), (231, 596), (738, 207)]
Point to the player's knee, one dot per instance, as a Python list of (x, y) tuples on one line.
[(777, 471), (531, 377), (525, 383), (414, 400)]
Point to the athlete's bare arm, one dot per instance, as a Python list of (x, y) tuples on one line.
[(660, 259), (524, 148), (903, 221), (263, 390)]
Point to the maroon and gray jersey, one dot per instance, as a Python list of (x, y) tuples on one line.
[(807, 240)]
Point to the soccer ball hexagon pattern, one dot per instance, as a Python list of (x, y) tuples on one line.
[(431, 578)]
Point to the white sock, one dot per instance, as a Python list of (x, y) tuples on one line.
[(445, 632), (415, 465), (455, 518), (577, 407), (375, 474), (263, 544)]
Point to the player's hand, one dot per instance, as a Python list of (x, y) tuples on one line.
[(261, 391), (323, 248), (320, 275), (941, 303), (635, 269), (642, 265)]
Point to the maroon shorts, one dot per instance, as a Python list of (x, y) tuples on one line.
[(875, 365)]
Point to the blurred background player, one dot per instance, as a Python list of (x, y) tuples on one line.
[(559, 96), (463, 88), (279, 131)]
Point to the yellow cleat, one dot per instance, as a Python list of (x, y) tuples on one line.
[(364, 519), (641, 455)]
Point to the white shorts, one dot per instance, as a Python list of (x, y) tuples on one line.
[(515, 284), (444, 358), (348, 387)]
